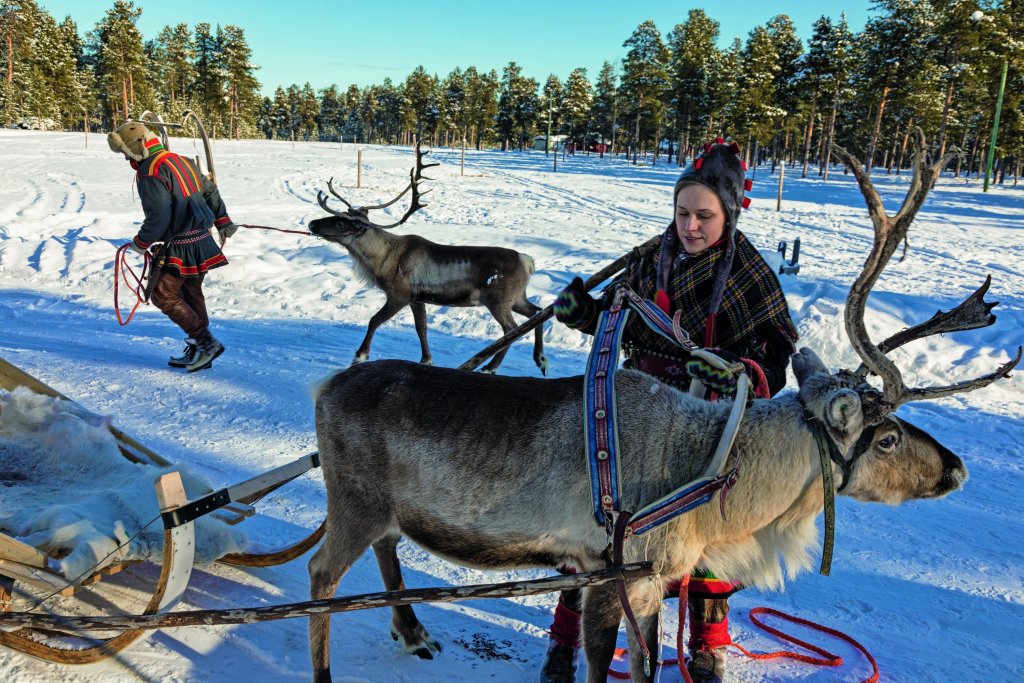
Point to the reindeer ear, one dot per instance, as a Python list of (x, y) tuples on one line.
[(843, 411), (805, 364)]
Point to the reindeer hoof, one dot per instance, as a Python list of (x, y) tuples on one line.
[(359, 359), (542, 363), (426, 361), (418, 643)]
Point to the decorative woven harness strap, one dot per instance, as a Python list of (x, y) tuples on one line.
[(601, 427), (602, 440)]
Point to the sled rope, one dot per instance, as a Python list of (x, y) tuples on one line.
[(122, 270)]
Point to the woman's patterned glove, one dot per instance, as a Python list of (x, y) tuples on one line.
[(574, 307), (721, 382)]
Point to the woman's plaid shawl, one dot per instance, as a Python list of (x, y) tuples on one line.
[(752, 298)]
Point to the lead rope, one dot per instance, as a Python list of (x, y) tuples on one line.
[(122, 270), (268, 227), (825, 658)]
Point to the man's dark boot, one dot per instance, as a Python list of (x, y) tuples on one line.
[(709, 629), (207, 349), (563, 655), (560, 663)]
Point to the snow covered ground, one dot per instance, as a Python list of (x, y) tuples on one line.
[(934, 589)]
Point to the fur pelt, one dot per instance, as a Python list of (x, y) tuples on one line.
[(64, 485)]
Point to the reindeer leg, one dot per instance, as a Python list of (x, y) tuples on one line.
[(525, 307), (340, 548), (419, 316), (405, 627), (387, 312), (601, 616), (507, 322)]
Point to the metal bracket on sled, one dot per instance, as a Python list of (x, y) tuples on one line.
[(789, 267)]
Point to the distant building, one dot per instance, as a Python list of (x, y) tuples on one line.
[(556, 142)]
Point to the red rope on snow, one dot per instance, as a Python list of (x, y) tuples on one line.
[(826, 658), (121, 271)]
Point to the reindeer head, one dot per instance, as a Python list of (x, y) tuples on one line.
[(345, 226), (885, 458)]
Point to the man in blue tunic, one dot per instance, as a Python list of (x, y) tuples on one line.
[(180, 205)]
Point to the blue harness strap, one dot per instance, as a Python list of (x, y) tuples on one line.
[(601, 426)]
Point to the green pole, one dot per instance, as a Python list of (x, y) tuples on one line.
[(995, 127), (547, 140)]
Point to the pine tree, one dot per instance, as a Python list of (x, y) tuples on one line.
[(692, 45), (579, 95), (208, 88), (307, 112), (894, 54), (481, 103), (332, 114), (644, 83), (518, 106), (173, 55), (121, 62), (838, 52), (552, 96), (603, 110), (420, 111), (452, 107), (757, 115), (788, 50), (234, 60)]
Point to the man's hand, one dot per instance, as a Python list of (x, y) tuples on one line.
[(574, 307), (136, 248), (227, 230)]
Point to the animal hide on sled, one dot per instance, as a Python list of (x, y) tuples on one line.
[(64, 486)]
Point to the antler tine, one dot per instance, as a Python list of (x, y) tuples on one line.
[(330, 187), (415, 177), (921, 182), (960, 387), (972, 313), (321, 199)]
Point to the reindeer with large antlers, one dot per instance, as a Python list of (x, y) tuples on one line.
[(489, 471), (413, 271)]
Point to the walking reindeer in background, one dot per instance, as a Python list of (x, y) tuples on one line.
[(489, 471), (413, 271)]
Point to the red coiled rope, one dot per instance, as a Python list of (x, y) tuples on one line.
[(826, 658), (121, 271)]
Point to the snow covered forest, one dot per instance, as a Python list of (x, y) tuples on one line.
[(934, 64)]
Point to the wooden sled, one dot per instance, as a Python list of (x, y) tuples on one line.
[(22, 563), (156, 121)]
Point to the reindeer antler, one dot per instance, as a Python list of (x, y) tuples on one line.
[(415, 178), (972, 313), (360, 212)]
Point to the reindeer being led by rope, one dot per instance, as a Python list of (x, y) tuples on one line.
[(413, 271), (489, 471)]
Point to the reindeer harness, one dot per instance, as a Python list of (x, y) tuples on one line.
[(601, 436)]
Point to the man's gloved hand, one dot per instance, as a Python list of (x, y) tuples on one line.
[(227, 230), (136, 248), (719, 381), (574, 307)]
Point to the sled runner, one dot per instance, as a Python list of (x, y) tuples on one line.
[(37, 571)]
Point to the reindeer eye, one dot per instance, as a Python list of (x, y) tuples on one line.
[(888, 442)]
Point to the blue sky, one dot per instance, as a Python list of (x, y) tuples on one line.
[(364, 42)]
